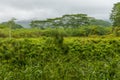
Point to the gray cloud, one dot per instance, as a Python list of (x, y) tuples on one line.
[(41, 9)]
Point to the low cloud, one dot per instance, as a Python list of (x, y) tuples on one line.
[(41, 9)]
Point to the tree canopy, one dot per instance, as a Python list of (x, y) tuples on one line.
[(115, 15), (74, 20), (69, 21), (10, 23)]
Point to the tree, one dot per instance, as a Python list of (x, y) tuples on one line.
[(75, 20), (10, 24), (115, 15), (71, 21), (13, 25)]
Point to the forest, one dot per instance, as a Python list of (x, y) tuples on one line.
[(70, 47)]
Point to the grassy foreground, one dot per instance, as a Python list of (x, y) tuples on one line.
[(74, 59)]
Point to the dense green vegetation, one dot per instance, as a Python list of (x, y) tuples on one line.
[(84, 31), (75, 59), (54, 53), (10, 24), (69, 21), (115, 15), (71, 47)]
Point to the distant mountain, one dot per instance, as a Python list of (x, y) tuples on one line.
[(99, 22), (24, 23)]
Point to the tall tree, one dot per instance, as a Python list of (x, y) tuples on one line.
[(71, 21), (115, 15), (10, 24)]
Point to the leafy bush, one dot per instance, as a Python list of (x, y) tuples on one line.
[(77, 58), (116, 31)]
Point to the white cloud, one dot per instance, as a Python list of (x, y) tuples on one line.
[(41, 9)]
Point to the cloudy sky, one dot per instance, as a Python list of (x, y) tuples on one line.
[(41, 9)]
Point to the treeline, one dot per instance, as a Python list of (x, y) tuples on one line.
[(74, 25), (69, 21), (66, 21), (70, 24)]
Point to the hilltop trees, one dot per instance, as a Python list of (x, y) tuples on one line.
[(69, 21), (66, 21), (75, 20)]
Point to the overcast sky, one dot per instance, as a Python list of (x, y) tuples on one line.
[(41, 9)]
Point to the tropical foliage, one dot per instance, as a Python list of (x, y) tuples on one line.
[(115, 15), (71, 47), (43, 59), (69, 21)]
